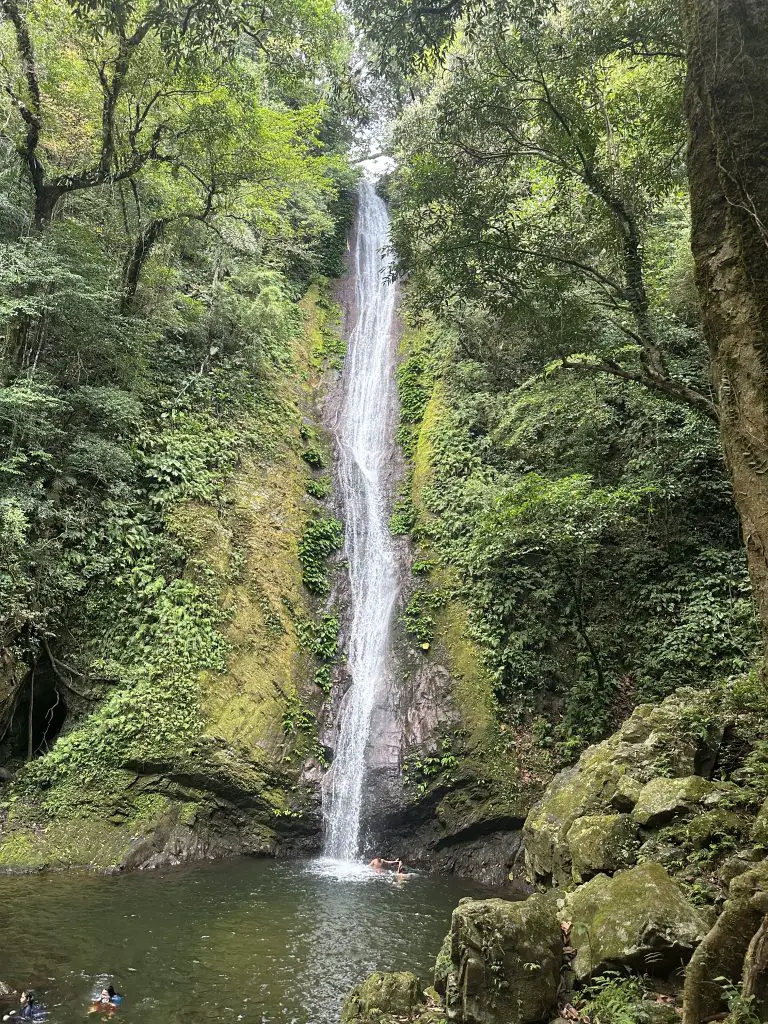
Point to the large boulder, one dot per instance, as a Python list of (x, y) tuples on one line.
[(640, 918), (720, 957), (601, 843), (663, 799), (610, 777), (503, 963), (382, 996)]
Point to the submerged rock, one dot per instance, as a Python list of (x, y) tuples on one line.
[(382, 995), (501, 961), (640, 918)]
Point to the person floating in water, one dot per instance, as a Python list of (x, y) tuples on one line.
[(30, 1009), (108, 1001), (378, 863)]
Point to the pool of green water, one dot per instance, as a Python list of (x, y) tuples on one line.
[(252, 940)]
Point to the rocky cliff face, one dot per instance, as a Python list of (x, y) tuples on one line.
[(238, 773), (650, 859)]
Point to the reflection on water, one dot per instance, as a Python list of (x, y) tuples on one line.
[(253, 940)]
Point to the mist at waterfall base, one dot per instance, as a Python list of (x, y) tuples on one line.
[(270, 942), (364, 439)]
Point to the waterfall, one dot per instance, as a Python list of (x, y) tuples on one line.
[(364, 439)]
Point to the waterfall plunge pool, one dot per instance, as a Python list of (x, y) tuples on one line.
[(271, 942)]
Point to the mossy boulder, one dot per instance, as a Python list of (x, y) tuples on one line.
[(640, 918), (505, 961), (710, 827), (720, 956), (382, 996), (443, 965), (678, 739), (759, 833), (663, 799), (601, 843)]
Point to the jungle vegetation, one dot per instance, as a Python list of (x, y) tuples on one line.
[(174, 175), (542, 197)]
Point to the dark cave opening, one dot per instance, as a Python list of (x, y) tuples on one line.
[(38, 717)]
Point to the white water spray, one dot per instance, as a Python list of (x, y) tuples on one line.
[(364, 437)]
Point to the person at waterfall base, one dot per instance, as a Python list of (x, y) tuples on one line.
[(378, 863)]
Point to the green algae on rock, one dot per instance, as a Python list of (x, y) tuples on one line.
[(601, 843), (655, 744), (194, 751), (720, 957), (382, 996), (663, 798), (505, 961), (640, 918)]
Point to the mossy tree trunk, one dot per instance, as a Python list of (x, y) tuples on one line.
[(727, 111)]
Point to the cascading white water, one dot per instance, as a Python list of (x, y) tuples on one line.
[(364, 437)]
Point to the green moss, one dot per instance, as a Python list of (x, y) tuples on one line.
[(213, 667), (601, 843), (639, 917)]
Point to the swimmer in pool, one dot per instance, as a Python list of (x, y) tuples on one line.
[(378, 863), (30, 1009), (104, 1003)]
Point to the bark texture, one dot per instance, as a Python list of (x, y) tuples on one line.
[(727, 111)]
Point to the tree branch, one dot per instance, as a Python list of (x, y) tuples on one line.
[(676, 390)]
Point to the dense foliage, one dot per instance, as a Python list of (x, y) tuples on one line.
[(577, 500), (173, 175)]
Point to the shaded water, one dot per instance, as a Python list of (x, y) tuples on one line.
[(251, 940), (364, 438)]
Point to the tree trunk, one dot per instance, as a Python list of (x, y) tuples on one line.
[(756, 970), (138, 255), (46, 198), (727, 111)]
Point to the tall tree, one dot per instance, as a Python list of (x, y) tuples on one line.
[(727, 110)]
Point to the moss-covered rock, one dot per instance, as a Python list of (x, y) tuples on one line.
[(640, 918), (382, 996), (601, 843), (665, 798), (759, 834), (443, 965), (505, 961), (197, 756), (720, 957), (707, 829), (655, 746)]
